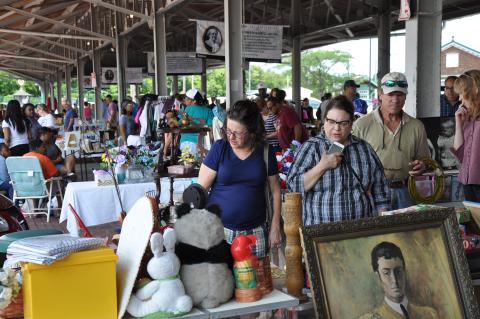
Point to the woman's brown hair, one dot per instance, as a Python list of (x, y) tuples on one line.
[(468, 85)]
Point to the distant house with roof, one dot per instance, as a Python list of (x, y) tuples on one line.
[(457, 58)]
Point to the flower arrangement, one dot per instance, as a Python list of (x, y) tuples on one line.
[(186, 156), (144, 156), (285, 161), (10, 285), (116, 156)]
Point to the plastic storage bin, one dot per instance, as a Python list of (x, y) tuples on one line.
[(81, 286)]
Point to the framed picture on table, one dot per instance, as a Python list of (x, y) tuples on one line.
[(372, 268)]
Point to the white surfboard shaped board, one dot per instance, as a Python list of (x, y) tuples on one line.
[(134, 240)]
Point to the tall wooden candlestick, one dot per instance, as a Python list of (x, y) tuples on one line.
[(293, 251)]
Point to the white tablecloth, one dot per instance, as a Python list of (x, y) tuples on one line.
[(99, 204)]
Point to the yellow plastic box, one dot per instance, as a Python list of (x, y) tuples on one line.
[(81, 286)]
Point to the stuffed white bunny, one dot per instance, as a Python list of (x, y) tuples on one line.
[(165, 293)]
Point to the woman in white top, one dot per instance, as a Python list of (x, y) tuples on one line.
[(16, 130), (46, 119)]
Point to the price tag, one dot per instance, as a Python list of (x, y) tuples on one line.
[(30, 173)]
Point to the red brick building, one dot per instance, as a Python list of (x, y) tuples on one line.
[(457, 58)]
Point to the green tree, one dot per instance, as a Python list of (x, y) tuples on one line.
[(216, 85), (32, 88), (8, 84)]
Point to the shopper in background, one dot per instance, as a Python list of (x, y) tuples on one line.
[(201, 115), (307, 111), (5, 184), (350, 91), (28, 110), (48, 137), (449, 101), (46, 119), (87, 111), (321, 110), (126, 122), (235, 170), (341, 185), (16, 129), (466, 146), (70, 115), (288, 126), (399, 139)]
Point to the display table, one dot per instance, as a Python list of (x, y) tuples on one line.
[(99, 204), (193, 314), (272, 301)]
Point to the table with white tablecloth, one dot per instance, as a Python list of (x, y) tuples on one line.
[(99, 204)]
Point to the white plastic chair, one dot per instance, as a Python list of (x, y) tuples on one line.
[(28, 182)]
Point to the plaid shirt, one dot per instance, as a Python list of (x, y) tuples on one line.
[(446, 109), (337, 195)]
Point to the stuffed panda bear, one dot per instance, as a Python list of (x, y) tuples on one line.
[(205, 256)]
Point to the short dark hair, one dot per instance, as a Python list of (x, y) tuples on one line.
[(44, 130), (274, 100), (305, 99), (386, 250), (281, 94), (109, 96), (35, 144), (451, 77), (342, 103), (247, 113)]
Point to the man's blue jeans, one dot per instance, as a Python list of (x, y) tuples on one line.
[(400, 198), (6, 186)]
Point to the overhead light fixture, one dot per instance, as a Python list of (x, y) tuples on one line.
[(88, 42), (131, 16)]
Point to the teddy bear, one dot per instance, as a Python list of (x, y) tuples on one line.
[(164, 296), (171, 119), (205, 255)]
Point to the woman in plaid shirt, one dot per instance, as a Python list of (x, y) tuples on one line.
[(343, 185)]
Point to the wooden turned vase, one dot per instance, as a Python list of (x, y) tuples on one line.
[(295, 277)]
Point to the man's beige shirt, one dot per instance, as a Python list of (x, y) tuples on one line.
[(395, 149)]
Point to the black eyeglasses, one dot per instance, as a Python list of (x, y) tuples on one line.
[(392, 83), (341, 123)]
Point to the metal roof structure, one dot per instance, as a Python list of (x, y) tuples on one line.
[(40, 37)]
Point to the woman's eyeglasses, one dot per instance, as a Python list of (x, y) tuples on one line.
[(392, 83), (341, 123), (234, 134)]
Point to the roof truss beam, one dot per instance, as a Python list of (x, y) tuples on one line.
[(35, 58), (118, 9), (51, 35), (62, 45), (58, 23), (23, 46)]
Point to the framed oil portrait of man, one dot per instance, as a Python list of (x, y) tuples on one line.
[(409, 265)]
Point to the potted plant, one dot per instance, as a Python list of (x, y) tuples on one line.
[(187, 158)]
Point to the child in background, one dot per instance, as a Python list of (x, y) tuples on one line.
[(87, 111), (4, 177)]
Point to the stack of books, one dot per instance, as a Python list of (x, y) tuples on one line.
[(45, 250)]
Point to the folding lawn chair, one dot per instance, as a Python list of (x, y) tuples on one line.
[(27, 179)]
